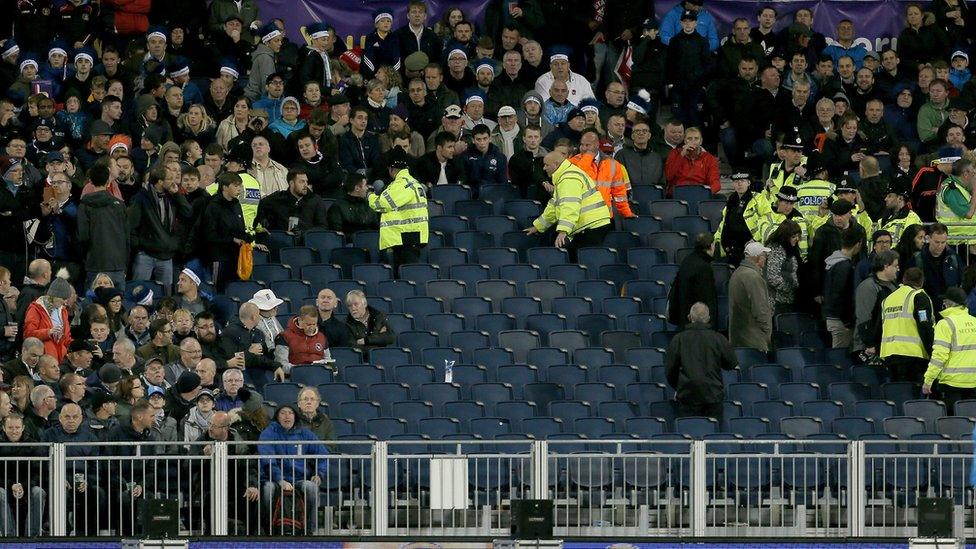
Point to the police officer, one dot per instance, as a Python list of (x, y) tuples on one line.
[(956, 204), (740, 218), (786, 200), (792, 166), (897, 214), (951, 373), (815, 191), (403, 212), (906, 329), (576, 209)]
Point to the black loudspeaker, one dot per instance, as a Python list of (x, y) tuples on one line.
[(160, 518), (532, 518), (935, 518)]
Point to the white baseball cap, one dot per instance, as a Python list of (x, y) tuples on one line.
[(753, 249), (265, 300)]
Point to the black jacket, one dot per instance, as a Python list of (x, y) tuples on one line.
[(120, 471), (275, 209), (427, 169), (825, 242), (694, 282), (235, 338), (694, 364), (14, 210), (838, 289), (526, 172), (324, 174), (350, 214), (147, 231), (377, 332), (103, 230), (222, 222), (336, 331), (423, 119), (689, 61)]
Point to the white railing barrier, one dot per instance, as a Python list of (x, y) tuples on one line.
[(718, 487)]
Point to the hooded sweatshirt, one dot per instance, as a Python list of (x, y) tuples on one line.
[(524, 119), (839, 288)]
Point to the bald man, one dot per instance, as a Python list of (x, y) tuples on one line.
[(335, 330), (39, 273), (873, 187), (242, 346)]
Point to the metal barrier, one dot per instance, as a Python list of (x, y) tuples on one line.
[(719, 487)]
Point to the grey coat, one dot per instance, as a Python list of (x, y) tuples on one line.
[(644, 167), (750, 318), (262, 65)]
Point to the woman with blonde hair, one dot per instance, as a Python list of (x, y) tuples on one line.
[(20, 390), (196, 124)]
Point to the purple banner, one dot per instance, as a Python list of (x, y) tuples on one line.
[(876, 22)]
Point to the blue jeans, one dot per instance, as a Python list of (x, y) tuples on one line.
[(147, 267), (310, 491), (31, 504)]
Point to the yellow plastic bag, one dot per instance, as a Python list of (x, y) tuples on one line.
[(245, 261)]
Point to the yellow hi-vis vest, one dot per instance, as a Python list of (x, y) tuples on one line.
[(777, 172), (576, 204), (961, 230), (772, 220), (899, 333), (897, 226), (811, 194), (249, 198), (753, 213), (953, 360), (403, 209)]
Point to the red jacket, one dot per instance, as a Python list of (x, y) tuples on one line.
[(302, 348), (37, 323), (700, 170)]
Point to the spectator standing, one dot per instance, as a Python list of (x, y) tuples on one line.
[(153, 217), (938, 262), (868, 297), (222, 230), (643, 164), (838, 291), (750, 318), (403, 213), (694, 283), (294, 210), (689, 63), (264, 59), (694, 362), (47, 319), (103, 228), (351, 212), (740, 218), (782, 265)]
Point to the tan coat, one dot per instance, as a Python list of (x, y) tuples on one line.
[(750, 318)]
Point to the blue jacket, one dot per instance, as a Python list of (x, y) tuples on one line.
[(555, 113), (379, 52), (671, 25), (490, 168), (192, 95), (273, 106), (286, 129), (959, 78), (292, 470), (855, 52)]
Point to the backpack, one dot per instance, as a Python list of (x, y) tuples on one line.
[(289, 512)]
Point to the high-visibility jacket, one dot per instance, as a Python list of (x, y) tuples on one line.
[(576, 204), (899, 332), (780, 177), (857, 216), (953, 359), (811, 194), (755, 209), (249, 198), (403, 209), (898, 225), (961, 230), (771, 221), (611, 178)]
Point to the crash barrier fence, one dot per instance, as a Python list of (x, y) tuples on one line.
[(673, 488)]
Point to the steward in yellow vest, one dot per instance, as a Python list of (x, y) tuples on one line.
[(786, 200), (576, 208), (951, 373), (955, 206), (906, 328), (740, 219), (402, 206), (897, 216)]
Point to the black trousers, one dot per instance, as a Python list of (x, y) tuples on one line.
[(404, 254), (587, 238), (906, 368), (712, 409), (951, 395)]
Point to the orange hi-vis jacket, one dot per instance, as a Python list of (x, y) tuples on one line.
[(610, 177)]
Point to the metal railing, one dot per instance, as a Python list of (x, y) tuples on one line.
[(664, 487)]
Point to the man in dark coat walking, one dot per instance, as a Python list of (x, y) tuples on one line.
[(694, 282)]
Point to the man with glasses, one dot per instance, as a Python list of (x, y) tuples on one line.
[(161, 343), (643, 164)]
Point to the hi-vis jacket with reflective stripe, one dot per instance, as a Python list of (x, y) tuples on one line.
[(899, 331), (576, 204), (403, 209), (249, 198), (961, 229), (953, 360), (611, 178)]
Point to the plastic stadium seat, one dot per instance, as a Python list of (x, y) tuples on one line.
[(566, 374), (568, 340), (297, 257), (544, 323), (696, 427), (622, 241), (749, 427), (524, 211), (899, 392), (468, 274), (519, 341), (570, 410), (448, 225), (412, 411), (496, 226), (747, 394), (464, 410), (773, 376), (422, 307), (437, 428), (471, 209), (572, 307), (242, 290), (647, 193), (543, 393), (363, 376), (490, 394), (490, 427), (693, 195), (542, 428), (666, 410), (346, 258), (956, 428), (796, 357), (547, 256), (668, 241), (621, 307), (342, 286), (494, 324), (276, 240), (495, 258), (620, 341), (595, 257), (521, 307), (645, 258), (522, 243), (438, 393), (826, 410), (439, 356), (878, 410), (447, 257), (873, 376), (619, 411), (372, 274), (618, 273), (471, 241), (665, 210), (691, 225), (571, 273), (645, 290), (282, 393), (849, 393), (494, 357), (517, 375), (773, 410), (644, 224), (926, 410), (823, 375), (310, 375), (413, 375), (966, 408), (618, 375), (712, 210), (545, 290), (801, 427), (515, 411), (419, 273), (449, 194), (594, 325), (470, 308), (323, 240), (445, 290), (594, 357), (321, 275), (469, 341), (545, 358), (800, 392), (499, 193), (415, 340), (594, 427), (496, 291), (903, 427), (386, 394), (645, 324), (359, 411), (645, 357), (270, 272), (521, 274), (595, 392), (335, 393), (346, 356)]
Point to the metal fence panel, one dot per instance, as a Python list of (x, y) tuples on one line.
[(25, 489)]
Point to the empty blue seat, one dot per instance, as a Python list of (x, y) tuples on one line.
[(494, 324), (645, 290), (491, 394), (594, 357), (471, 241), (798, 393), (524, 211), (520, 273), (471, 209), (543, 393), (363, 375), (712, 210), (546, 291), (372, 274), (464, 411), (873, 376), (359, 411), (620, 376), (494, 357), (773, 375), (596, 289), (396, 291), (796, 357), (826, 410), (346, 258), (522, 243), (437, 428), (448, 225), (594, 325), (346, 356), (415, 340), (642, 224), (595, 428), (496, 226), (618, 273), (748, 427), (568, 340), (342, 287), (521, 308), (696, 427), (449, 194), (645, 258), (297, 257), (517, 375), (692, 225), (668, 241), (495, 258), (877, 410), (515, 411), (467, 375), (622, 241), (665, 210), (547, 256), (468, 341), (693, 195), (570, 410), (572, 307), (335, 393), (276, 240), (412, 412), (321, 275), (386, 394), (499, 193), (421, 307), (439, 393), (620, 341), (242, 290), (621, 307), (823, 375), (801, 427), (270, 272), (520, 342), (566, 374), (496, 291), (853, 427), (848, 394), (903, 427), (594, 392), (491, 428), (323, 240), (956, 428), (445, 258), (595, 257), (747, 394), (547, 357), (413, 375), (419, 273), (369, 241), (900, 391), (446, 290), (542, 428), (570, 273), (282, 393), (310, 375), (470, 308), (619, 411), (773, 410), (926, 410), (645, 357), (544, 323)]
